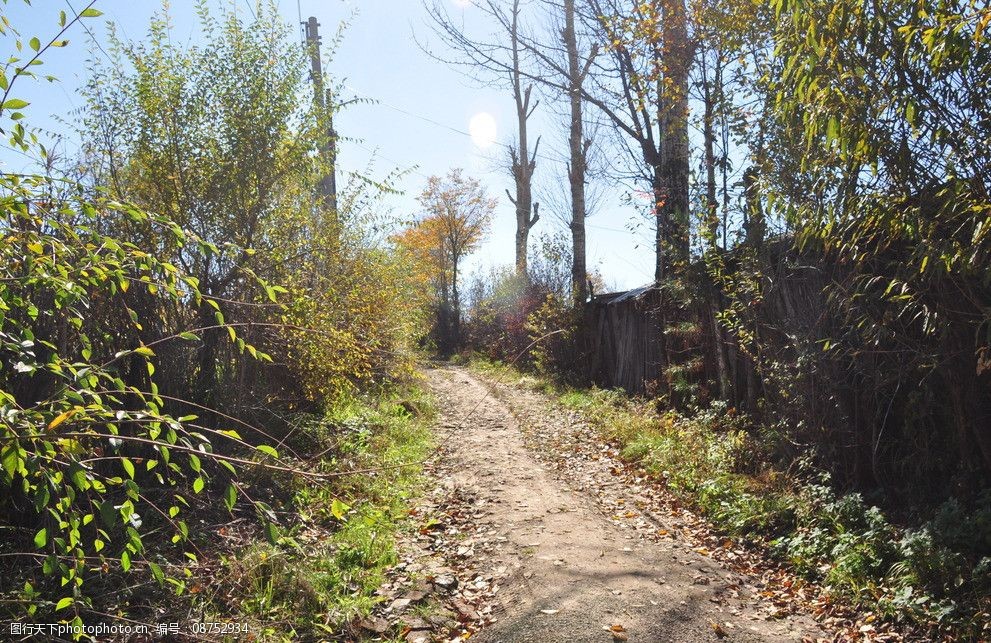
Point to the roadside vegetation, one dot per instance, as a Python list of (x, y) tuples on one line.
[(338, 537), (208, 405)]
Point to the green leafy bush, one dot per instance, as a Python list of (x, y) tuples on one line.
[(136, 322), (91, 457)]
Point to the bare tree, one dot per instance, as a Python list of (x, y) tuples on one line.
[(642, 90), (523, 163), (564, 64), (501, 59), (578, 147), (640, 87)]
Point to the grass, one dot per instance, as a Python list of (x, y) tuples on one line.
[(322, 573), (935, 574)]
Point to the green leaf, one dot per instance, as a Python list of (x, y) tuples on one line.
[(78, 477), (832, 129), (35, 44), (41, 497), (230, 496), (271, 533), (91, 13), (198, 485), (128, 467), (10, 459), (157, 572), (64, 603), (109, 514), (189, 336), (41, 538), (264, 448), (338, 509), (14, 103), (125, 560)]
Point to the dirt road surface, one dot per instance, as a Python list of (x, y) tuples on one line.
[(577, 552)]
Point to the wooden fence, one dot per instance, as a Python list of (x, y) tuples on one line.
[(881, 415), (625, 351)]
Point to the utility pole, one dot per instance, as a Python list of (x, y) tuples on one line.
[(328, 149)]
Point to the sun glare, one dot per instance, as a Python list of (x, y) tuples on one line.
[(483, 130)]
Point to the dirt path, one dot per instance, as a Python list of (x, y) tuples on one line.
[(572, 552)]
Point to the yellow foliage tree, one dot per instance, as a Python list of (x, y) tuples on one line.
[(456, 216)]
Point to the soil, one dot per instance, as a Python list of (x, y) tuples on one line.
[(535, 533)]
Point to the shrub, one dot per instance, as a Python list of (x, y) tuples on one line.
[(558, 349)]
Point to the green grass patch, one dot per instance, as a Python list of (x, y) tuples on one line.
[(322, 573)]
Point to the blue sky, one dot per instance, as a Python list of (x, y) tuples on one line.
[(419, 123)]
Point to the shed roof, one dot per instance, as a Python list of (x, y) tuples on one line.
[(610, 298)]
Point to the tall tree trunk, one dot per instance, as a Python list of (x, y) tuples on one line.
[(659, 318), (523, 163), (709, 98), (674, 147), (578, 149), (722, 362), (709, 138), (670, 170), (724, 158), (659, 188), (456, 310)]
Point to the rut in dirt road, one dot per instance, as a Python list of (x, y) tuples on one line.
[(576, 573)]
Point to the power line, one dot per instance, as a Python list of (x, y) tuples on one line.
[(600, 227), (91, 34), (21, 152), (427, 119), (400, 165), (251, 9)]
